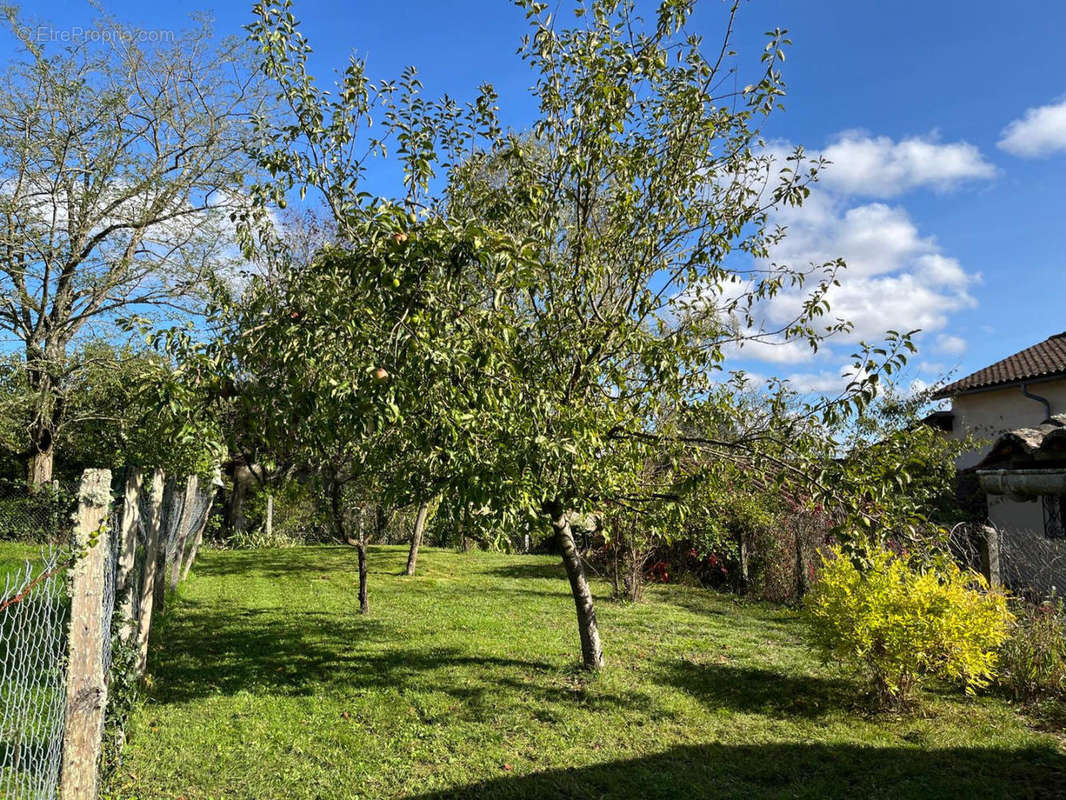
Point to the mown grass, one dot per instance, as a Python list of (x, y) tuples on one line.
[(463, 683), (13, 558)]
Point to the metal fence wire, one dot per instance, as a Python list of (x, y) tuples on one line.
[(40, 516), (35, 616), (33, 625)]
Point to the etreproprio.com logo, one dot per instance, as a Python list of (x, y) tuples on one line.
[(76, 34)]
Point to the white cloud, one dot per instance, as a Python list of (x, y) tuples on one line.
[(872, 239), (1040, 132), (773, 350), (950, 345), (816, 382), (895, 279), (900, 302), (918, 386), (824, 382), (868, 166), (938, 269)]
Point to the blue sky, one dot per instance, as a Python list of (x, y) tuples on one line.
[(947, 222)]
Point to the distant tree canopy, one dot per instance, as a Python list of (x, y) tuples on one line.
[(120, 163), (119, 410)]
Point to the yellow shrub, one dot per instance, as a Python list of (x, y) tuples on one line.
[(896, 625)]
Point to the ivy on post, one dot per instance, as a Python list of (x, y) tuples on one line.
[(86, 682)]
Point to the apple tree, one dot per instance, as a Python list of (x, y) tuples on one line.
[(643, 197)]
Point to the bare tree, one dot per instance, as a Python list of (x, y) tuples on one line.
[(121, 162)]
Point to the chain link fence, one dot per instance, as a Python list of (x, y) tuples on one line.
[(40, 517), (1027, 563), (35, 642), (33, 621)]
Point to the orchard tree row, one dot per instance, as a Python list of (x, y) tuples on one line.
[(531, 328)]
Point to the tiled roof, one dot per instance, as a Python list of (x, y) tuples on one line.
[(1042, 360)]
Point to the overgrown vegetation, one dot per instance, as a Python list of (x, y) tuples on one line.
[(1033, 659)]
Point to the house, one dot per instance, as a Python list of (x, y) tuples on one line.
[(1016, 409)]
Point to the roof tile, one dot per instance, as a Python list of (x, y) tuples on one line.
[(1039, 361)]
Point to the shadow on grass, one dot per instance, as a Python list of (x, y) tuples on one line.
[(303, 562), (759, 691), (209, 652), (792, 771), (717, 602), (276, 563), (532, 570)]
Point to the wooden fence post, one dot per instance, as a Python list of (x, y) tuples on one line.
[(152, 525), (198, 539), (988, 547), (86, 682), (166, 546), (188, 505), (131, 514)]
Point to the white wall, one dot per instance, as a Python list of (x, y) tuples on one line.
[(988, 414), (1027, 556)]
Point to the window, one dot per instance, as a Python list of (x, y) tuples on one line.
[(1055, 516)]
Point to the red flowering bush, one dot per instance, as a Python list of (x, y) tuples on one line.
[(659, 571)]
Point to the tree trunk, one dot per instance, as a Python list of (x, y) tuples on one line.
[(591, 650), (42, 456), (337, 508), (44, 362), (802, 578), (242, 481), (381, 524), (745, 574), (416, 537), (364, 602)]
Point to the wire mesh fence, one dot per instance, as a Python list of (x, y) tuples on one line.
[(36, 646), (33, 624), (41, 516), (1026, 562)]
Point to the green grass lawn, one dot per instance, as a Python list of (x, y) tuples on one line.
[(462, 683), (13, 558)]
